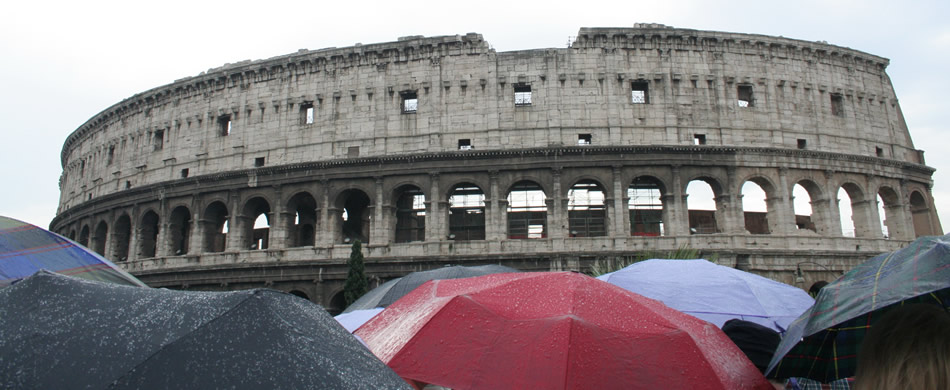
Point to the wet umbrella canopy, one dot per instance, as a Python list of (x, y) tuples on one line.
[(61, 332), (822, 344), (389, 292), (25, 249), (551, 330), (713, 292)]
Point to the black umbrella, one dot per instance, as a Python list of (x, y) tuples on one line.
[(61, 332), (389, 292)]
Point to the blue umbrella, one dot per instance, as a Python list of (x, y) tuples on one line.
[(713, 292), (25, 249)]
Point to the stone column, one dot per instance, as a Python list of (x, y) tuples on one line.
[(729, 205), (828, 221), (557, 220), (619, 216), (679, 212), (135, 232), (327, 226), (195, 246), (781, 208), (379, 223), (236, 225), (496, 211), (435, 216)]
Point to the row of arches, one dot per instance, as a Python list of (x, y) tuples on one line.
[(646, 206)]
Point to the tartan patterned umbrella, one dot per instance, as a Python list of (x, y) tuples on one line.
[(25, 249), (822, 344)]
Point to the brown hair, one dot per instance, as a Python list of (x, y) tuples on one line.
[(908, 348)]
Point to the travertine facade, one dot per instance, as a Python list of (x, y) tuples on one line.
[(416, 146)]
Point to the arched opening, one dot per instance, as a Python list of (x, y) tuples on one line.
[(99, 238), (802, 198), (337, 304), (256, 233), (410, 214), (755, 209), (179, 230), (355, 217), (889, 211), (701, 206), (860, 210), (586, 211), (72, 234), (921, 215), (299, 294), (148, 235), (645, 206), (84, 236), (122, 237), (845, 212), (215, 227), (466, 213), (303, 227), (527, 211)]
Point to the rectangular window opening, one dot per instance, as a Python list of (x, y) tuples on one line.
[(465, 144), (699, 139), (879, 151), (410, 102), (745, 96), (306, 113), (837, 104), (224, 125), (111, 155), (158, 139), (353, 151), (522, 95), (259, 162), (640, 93), (184, 173), (802, 143), (584, 139)]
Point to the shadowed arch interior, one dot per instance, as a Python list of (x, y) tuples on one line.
[(466, 212), (645, 206)]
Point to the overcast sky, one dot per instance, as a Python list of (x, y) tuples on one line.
[(63, 62)]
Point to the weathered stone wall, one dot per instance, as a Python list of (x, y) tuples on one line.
[(819, 115)]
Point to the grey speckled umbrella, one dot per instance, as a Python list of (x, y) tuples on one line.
[(389, 292), (60, 332)]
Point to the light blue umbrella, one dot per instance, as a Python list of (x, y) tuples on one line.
[(713, 292)]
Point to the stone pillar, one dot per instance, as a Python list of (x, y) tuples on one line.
[(679, 212), (496, 211), (558, 225), (235, 239), (195, 246), (781, 207), (436, 211), (134, 233), (379, 225), (828, 222), (278, 231), (729, 205), (619, 216), (326, 226)]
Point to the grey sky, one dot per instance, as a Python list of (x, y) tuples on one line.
[(63, 62)]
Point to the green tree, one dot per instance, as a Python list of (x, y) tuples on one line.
[(356, 284)]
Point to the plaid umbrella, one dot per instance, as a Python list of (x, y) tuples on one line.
[(25, 249), (822, 344)]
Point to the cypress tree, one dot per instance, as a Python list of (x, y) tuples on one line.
[(356, 284)]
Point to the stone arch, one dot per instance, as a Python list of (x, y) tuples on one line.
[(861, 208), (410, 208), (215, 219), (806, 215), (890, 212), (99, 238), (704, 214), (255, 223), (299, 294), (527, 211), (301, 221), (760, 214), (646, 206), (84, 236), (353, 207), (587, 209), (148, 234), (520, 179), (122, 237), (179, 231), (337, 303), (920, 212), (466, 204)]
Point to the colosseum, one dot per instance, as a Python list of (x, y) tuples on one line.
[(438, 150)]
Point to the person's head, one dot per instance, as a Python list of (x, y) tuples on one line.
[(908, 348), (816, 287), (756, 341)]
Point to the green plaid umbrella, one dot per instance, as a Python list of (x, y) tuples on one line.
[(822, 344)]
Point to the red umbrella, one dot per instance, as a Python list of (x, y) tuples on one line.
[(551, 331)]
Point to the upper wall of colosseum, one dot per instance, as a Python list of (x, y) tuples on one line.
[(648, 85)]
